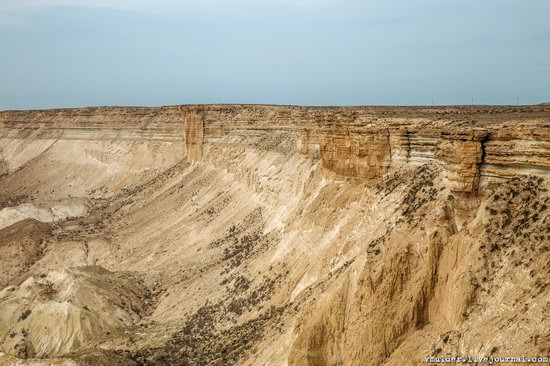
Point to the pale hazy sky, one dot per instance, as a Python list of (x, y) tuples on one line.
[(66, 53)]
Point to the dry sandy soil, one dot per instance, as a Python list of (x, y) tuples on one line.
[(262, 235)]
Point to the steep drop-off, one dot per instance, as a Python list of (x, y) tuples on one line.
[(272, 235)]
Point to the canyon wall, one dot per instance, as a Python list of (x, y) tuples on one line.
[(473, 144), (273, 235)]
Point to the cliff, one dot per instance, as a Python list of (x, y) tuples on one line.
[(273, 235), (472, 144)]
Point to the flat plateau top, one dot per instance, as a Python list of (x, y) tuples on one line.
[(467, 117), (539, 110)]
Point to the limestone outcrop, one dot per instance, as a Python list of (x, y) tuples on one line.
[(473, 144), (273, 235), (365, 143)]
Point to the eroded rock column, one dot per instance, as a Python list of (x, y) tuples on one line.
[(461, 160), (193, 124)]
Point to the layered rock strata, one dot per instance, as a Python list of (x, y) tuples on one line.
[(263, 235), (472, 144)]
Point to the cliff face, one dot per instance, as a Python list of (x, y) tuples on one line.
[(471, 143), (273, 235)]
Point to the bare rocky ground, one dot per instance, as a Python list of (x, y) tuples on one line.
[(122, 252)]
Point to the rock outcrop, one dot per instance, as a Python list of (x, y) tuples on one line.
[(471, 143), (366, 143), (273, 235)]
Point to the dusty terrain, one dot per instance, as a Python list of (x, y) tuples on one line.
[(272, 235)]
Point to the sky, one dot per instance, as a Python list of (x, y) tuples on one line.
[(70, 53)]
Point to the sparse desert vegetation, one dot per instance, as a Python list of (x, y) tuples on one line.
[(265, 235)]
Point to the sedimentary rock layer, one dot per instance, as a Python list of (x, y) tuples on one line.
[(263, 235), (470, 143)]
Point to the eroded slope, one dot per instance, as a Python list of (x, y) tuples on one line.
[(271, 235)]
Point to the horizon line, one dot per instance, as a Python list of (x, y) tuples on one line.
[(402, 106)]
